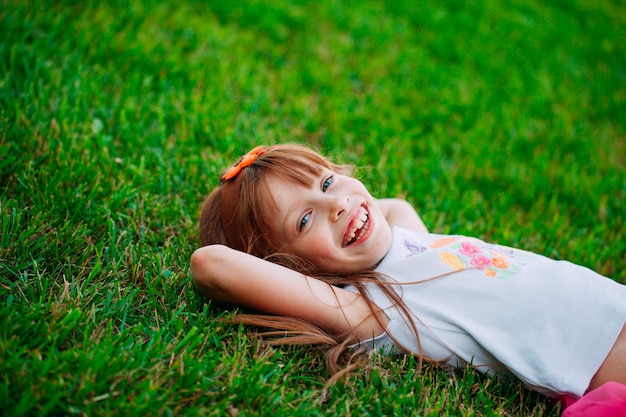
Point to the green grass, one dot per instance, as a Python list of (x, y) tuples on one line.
[(502, 120)]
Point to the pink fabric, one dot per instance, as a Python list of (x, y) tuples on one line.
[(609, 400)]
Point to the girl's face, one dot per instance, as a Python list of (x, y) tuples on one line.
[(335, 223)]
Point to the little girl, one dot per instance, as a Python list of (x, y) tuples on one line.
[(291, 234)]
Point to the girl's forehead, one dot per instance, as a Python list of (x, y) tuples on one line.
[(280, 190), (281, 193), (295, 180)]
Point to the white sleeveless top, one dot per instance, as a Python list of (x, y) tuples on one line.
[(504, 311)]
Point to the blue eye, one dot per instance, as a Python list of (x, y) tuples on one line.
[(304, 221), (327, 183)]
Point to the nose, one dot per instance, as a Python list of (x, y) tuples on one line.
[(338, 206)]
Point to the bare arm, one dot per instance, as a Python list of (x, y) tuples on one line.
[(399, 212), (226, 275), (614, 366)]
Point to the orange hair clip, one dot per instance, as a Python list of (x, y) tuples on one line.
[(243, 162)]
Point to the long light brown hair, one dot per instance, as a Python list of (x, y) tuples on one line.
[(300, 165)]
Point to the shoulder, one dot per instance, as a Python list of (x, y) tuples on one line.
[(399, 212)]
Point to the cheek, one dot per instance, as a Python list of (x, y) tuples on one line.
[(317, 249)]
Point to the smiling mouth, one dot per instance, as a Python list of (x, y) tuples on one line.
[(357, 228)]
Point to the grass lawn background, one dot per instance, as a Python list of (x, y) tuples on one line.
[(504, 120)]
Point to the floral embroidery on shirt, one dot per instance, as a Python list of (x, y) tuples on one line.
[(499, 262), (459, 252), (469, 249), (451, 260), (413, 249), (444, 241), (495, 260), (480, 261)]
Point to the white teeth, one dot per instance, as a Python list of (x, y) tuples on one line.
[(357, 226)]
